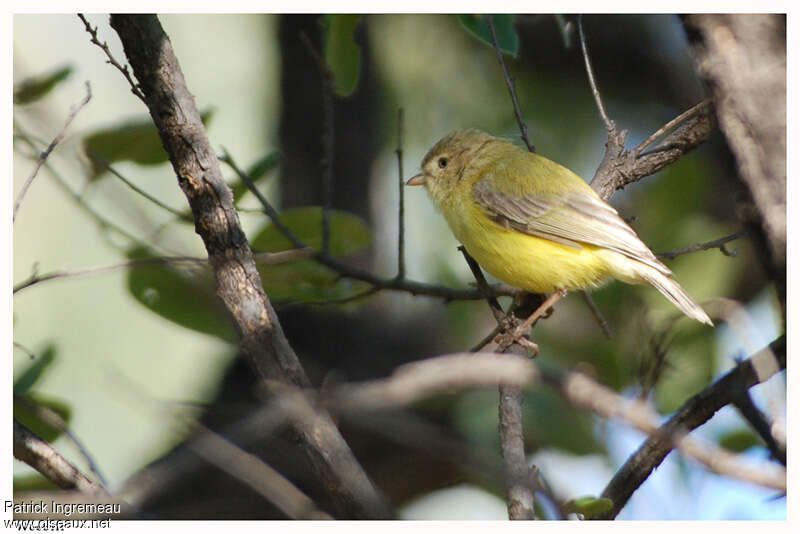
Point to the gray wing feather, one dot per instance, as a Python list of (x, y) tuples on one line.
[(576, 218)]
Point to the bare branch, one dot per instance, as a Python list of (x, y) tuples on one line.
[(702, 107), (401, 241), (523, 128), (590, 75), (716, 243), (327, 140), (54, 419), (239, 284), (415, 381), (135, 89), (257, 474), (37, 453), (44, 155), (264, 258), (692, 414), (137, 189), (598, 315)]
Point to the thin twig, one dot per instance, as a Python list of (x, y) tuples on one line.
[(590, 74), (523, 128), (44, 155), (488, 338), (264, 258), (401, 241), (686, 115), (497, 310), (327, 140), (716, 243), (101, 221), (598, 315), (111, 61), (137, 189)]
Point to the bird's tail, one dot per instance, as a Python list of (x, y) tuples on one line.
[(674, 293)]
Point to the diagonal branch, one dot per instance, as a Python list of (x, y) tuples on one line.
[(695, 412), (239, 286), (37, 453), (44, 155)]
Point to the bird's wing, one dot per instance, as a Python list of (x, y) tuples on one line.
[(572, 218)]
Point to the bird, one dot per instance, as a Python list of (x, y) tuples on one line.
[(535, 224)]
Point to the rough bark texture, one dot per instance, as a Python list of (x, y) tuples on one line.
[(743, 59), (175, 114)]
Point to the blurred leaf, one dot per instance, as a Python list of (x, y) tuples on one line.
[(135, 141), (507, 39), (257, 170), (34, 372), (342, 55), (184, 295), (739, 440), (588, 506), (349, 233), (34, 88), (31, 420)]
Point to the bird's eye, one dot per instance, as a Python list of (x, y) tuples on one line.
[(442, 163)]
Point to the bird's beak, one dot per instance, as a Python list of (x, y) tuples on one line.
[(417, 180)]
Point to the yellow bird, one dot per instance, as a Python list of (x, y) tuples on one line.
[(536, 225)]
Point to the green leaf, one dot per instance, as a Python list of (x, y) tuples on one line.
[(137, 141), (32, 89), (183, 294), (257, 170), (34, 372), (588, 506), (739, 440), (507, 39), (31, 420), (349, 233), (342, 55)]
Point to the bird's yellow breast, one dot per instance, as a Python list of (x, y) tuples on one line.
[(524, 261)]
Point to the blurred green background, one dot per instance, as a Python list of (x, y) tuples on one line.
[(127, 347)]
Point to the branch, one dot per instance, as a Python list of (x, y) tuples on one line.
[(37, 453), (135, 89), (695, 412), (523, 128), (401, 240), (416, 381), (265, 258), (239, 285), (54, 419), (621, 167), (327, 140), (592, 83), (716, 243), (44, 155)]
